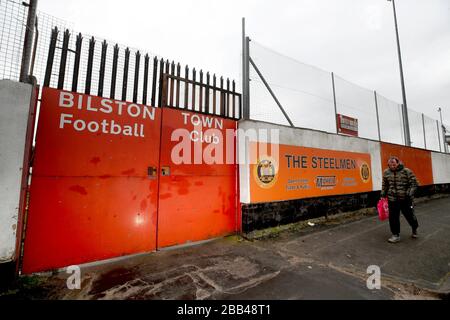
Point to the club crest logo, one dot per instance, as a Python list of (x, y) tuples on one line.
[(365, 172), (265, 172)]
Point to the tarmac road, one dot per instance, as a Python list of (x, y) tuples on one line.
[(323, 262)]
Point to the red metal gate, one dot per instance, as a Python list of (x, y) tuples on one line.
[(101, 169), (198, 198), (91, 196)]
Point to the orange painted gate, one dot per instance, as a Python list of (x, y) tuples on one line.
[(197, 198), (112, 178)]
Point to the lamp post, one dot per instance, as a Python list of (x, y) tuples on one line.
[(443, 131), (405, 106)]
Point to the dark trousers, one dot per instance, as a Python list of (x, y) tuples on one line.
[(406, 207)]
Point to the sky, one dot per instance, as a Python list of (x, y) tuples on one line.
[(353, 38)]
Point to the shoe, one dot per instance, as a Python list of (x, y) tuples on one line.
[(414, 235), (394, 239)]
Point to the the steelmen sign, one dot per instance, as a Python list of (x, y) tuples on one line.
[(299, 172)]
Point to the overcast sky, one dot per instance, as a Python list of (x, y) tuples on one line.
[(353, 38)]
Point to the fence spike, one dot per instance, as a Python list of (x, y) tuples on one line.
[(207, 93), (63, 62), (200, 102), (51, 57), (167, 66), (227, 99), (76, 66), (172, 71), (186, 87), (145, 86), (161, 78), (214, 94), (233, 95), (155, 71), (102, 68), (172, 82), (194, 76), (222, 98), (136, 76), (177, 102), (125, 74), (90, 65), (114, 72)]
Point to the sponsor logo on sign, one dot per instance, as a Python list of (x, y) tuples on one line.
[(323, 182)]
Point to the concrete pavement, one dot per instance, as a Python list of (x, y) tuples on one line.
[(327, 261)]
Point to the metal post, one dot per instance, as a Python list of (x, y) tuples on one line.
[(439, 133), (36, 38), (378, 116), (28, 42), (271, 92), (405, 106), (244, 78), (424, 135), (405, 126), (444, 142), (245, 73), (444, 139), (335, 103)]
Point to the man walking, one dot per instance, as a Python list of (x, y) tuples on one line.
[(399, 186)]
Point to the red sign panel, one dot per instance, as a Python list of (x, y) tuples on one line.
[(347, 125), (92, 197), (418, 160)]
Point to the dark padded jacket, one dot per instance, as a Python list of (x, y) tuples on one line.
[(400, 184)]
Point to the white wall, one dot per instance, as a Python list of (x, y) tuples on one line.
[(311, 139), (14, 109), (244, 170), (441, 167)]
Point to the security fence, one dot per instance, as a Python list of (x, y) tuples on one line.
[(67, 60), (310, 97), (12, 32), (13, 17), (313, 98)]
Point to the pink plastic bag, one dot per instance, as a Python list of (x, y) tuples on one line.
[(383, 209)]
